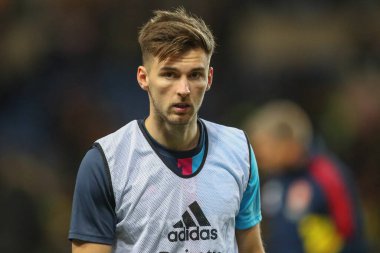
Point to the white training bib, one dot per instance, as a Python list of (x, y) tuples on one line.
[(160, 212)]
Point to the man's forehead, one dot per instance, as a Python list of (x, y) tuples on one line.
[(173, 64), (190, 56)]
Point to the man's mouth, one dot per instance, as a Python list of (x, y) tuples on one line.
[(181, 105)]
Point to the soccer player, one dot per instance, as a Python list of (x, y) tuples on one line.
[(307, 196), (172, 182)]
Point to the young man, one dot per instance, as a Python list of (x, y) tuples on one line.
[(172, 182)]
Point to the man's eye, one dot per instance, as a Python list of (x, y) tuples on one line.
[(168, 74), (196, 75)]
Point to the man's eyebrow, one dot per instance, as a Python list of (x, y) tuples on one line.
[(168, 68), (198, 69)]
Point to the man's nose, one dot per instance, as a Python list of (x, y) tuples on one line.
[(183, 87)]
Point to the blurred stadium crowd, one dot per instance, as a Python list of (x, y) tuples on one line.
[(67, 77)]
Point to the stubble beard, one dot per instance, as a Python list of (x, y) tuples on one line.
[(167, 117)]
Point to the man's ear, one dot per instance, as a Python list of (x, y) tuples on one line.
[(142, 77), (210, 77)]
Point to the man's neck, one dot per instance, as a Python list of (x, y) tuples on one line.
[(173, 137)]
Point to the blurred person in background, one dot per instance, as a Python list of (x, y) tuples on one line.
[(309, 201), (140, 189)]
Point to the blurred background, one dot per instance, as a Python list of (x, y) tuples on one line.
[(68, 77)]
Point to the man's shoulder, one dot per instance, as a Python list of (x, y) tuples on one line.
[(210, 124), (220, 129), (225, 135), (126, 129)]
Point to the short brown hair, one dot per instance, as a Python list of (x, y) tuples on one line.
[(171, 33)]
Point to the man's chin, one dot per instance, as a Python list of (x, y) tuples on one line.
[(180, 120)]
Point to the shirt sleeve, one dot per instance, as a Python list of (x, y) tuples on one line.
[(250, 208), (93, 216)]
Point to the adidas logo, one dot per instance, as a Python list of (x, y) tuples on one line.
[(187, 229)]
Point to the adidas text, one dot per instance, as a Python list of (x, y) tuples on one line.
[(194, 234)]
